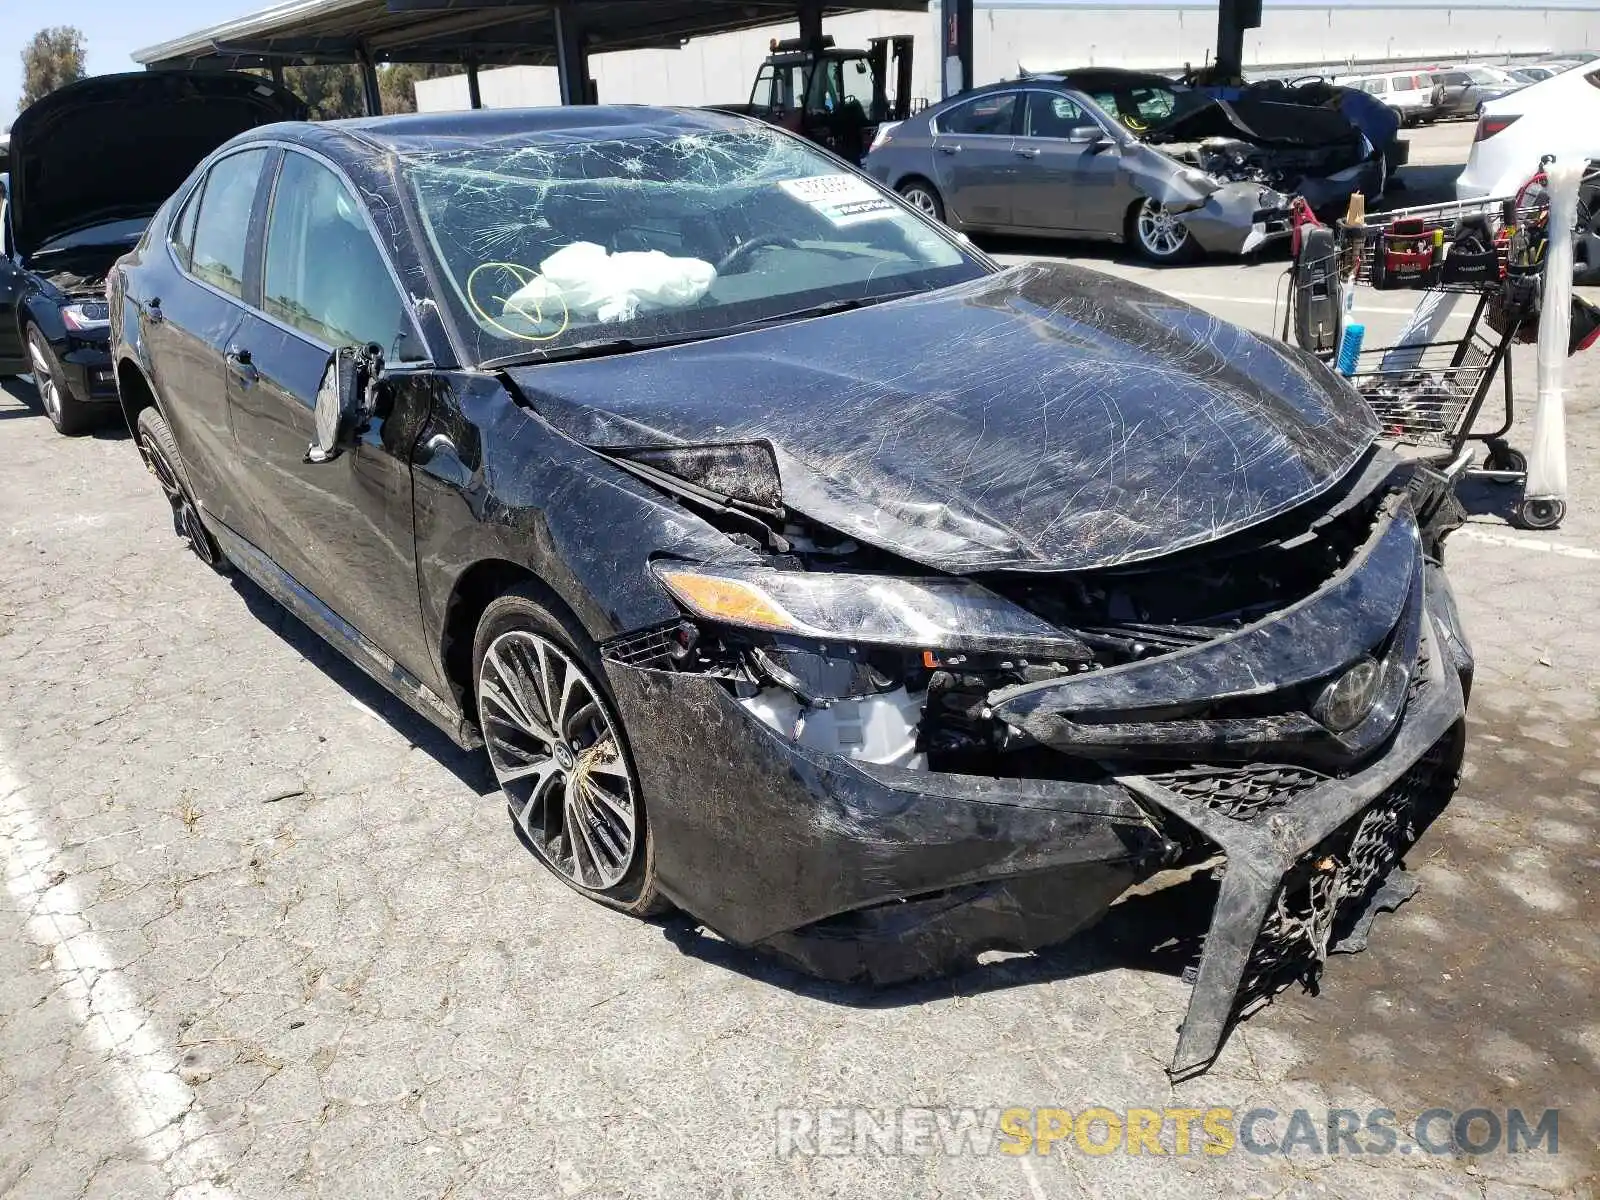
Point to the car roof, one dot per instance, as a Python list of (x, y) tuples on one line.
[(417, 133)]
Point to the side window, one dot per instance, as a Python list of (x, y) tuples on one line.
[(324, 273), (223, 224), (182, 236), (987, 114), (1052, 116)]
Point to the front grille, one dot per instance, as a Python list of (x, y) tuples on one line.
[(647, 648), (1328, 891), (1241, 792)]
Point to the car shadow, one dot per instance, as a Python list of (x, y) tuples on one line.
[(1161, 932), (1487, 498), (21, 389), (471, 767)]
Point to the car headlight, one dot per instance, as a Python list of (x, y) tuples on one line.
[(89, 315), (924, 614)]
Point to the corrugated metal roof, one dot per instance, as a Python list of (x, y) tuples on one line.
[(489, 31)]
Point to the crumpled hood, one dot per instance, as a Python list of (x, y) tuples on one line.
[(115, 146), (1041, 418)]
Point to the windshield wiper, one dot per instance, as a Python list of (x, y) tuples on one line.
[(826, 309), (601, 347), (596, 348)]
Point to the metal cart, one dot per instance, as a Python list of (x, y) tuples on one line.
[(1428, 395)]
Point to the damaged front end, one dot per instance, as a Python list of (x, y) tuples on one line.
[(911, 767), (1285, 149)]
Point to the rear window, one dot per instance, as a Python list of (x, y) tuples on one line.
[(985, 115), (223, 226)]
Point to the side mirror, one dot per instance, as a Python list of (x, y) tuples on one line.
[(1093, 135), (346, 399)]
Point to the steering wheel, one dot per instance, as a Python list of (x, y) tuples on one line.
[(745, 249)]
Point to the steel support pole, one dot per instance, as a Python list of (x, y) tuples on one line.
[(572, 56), (1233, 18), (809, 14), (955, 46), (474, 96)]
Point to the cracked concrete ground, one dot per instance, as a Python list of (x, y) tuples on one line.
[(273, 936)]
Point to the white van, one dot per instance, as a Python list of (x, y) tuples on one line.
[(1412, 94)]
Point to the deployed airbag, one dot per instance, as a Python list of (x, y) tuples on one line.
[(591, 282)]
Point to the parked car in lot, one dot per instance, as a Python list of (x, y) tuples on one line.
[(1463, 90), (1121, 155), (1559, 115), (1527, 75), (1413, 95), (82, 188), (796, 564)]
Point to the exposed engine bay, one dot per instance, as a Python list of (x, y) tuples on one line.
[(1284, 169), (79, 272)]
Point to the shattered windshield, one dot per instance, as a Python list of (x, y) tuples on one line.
[(545, 247)]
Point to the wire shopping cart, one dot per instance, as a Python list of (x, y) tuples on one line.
[(1428, 394)]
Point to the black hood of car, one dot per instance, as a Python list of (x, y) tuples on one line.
[(116, 146), (1262, 122), (1040, 418)]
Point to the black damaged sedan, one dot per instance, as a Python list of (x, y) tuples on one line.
[(798, 566)]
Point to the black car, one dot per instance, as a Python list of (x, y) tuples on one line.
[(797, 565), (89, 164)]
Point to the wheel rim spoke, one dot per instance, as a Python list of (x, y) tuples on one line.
[(558, 757)]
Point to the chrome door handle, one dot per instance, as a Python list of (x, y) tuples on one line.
[(1028, 152), (947, 148)]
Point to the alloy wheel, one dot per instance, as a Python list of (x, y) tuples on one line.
[(44, 381), (1160, 233), (558, 757), (185, 517), (922, 200)]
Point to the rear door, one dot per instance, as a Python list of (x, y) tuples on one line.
[(188, 332), (343, 528), (973, 159), (1067, 178)]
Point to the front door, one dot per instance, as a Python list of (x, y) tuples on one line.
[(342, 528), (973, 160), (1068, 178)]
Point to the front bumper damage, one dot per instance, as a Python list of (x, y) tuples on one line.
[(875, 874), (1238, 218)]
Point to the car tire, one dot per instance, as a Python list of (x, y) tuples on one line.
[(160, 452), (554, 770), (923, 197), (1157, 235), (71, 416)]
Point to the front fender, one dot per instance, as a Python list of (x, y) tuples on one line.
[(494, 482)]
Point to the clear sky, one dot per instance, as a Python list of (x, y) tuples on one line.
[(112, 30)]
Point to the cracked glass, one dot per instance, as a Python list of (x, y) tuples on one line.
[(553, 242)]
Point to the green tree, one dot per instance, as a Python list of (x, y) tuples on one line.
[(52, 59), (398, 83), (330, 90)]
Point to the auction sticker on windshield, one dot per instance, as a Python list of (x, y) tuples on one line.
[(842, 199)]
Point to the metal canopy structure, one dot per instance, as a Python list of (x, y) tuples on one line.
[(559, 33)]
